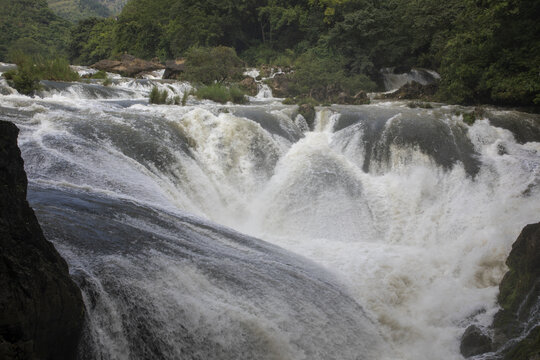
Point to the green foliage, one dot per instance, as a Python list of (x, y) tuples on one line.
[(185, 98), (92, 40), (322, 75), (30, 26), (31, 70), (221, 94), (161, 97), (158, 97), (494, 55), (237, 95), (209, 65), (99, 75), (74, 10), (485, 51)]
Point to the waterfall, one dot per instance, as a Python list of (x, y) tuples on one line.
[(228, 232)]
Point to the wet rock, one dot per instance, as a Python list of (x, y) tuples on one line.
[(42, 311), (280, 86), (174, 68), (249, 85), (361, 98), (516, 327), (128, 65), (520, 287), (474, 341), (412, 91), (308, 112)]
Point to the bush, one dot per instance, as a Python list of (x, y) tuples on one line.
[(237, 95), (31, 70), (221, 94), (216, 92), (211, 65), (99, 75)]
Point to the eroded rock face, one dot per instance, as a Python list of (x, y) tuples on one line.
[(41, 309), (413, 91), (174, 68), (128, 66), (474, 342), (516, 327)]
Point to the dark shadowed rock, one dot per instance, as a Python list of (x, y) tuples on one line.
[(516, 327), (174, 68), (474, 342), (128, 65), (41, 309), (308, 112)]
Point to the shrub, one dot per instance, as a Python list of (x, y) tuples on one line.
[(158, 97), (221, 94), (185, 98), (216, 92), (237, 95), (99, 75), (31, 70)]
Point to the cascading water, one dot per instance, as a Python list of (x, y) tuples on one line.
[(383, 232)]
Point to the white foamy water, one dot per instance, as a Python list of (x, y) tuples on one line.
[(413, 211)]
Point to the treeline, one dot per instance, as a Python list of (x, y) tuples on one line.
[(29, 26), (487, 51)]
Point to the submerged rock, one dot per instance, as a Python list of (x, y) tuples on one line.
[(128, 66), (42, 311), (516, 327)]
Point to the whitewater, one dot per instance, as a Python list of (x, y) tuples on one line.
[(212, 231)]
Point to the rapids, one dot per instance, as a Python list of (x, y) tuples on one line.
[(228, 232)]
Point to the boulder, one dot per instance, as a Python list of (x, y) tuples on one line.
[(515, 328), (308, 112), (280, 85), (413, 91), (249, 85), (42, 311), (128, 65), (174, 68), (474, 342)]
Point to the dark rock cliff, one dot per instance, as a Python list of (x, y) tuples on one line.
[(516, 327), (41, 309)]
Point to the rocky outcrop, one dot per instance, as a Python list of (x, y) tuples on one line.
[(128, 66), (360, 98), (280, 85), (41, 309), (516, 327), (174, 68), (413, 91), (249, 85)]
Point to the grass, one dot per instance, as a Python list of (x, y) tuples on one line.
[(161, 97), (158, 97)]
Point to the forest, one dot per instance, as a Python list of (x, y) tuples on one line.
[(487, 51)]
